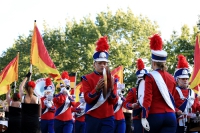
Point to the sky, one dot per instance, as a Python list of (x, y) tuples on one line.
[(17, 16)]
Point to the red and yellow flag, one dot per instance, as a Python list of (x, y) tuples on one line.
[(4, 89), (8, 75), (77, 91), (72, 78), (119, 72), (195, 77), (40, 57)]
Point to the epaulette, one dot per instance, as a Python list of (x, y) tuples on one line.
[(84, 78), (146, 74)]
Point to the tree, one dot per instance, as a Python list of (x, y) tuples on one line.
[(183, 44), (71, 48)]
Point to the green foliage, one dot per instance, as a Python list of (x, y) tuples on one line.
[(183, 44), (71, 48)]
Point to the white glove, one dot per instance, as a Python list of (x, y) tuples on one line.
[(145, 124), (48, 103), (49, 97), (45, 101)]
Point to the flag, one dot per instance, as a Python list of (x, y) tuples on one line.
[(77, 91), (119, 72), (72, 78), (10, 73), (195, 77), (40, 57), (4, 89)]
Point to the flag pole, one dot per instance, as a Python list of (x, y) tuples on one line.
[(31, 66), (30, 71), (15, 87)]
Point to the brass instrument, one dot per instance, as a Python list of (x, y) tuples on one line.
[(39, 88)]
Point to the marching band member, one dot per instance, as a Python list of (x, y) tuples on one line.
[(160, 86), (63, 122), (99, 110), (185, 99), (30, 106), (131, 101), (14, 123), (120, 124), (79, 110), (48, 108)]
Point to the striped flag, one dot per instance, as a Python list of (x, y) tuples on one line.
[(119, 72), (195, 77), (10, 73), (72, 78), (40, 57), (4, 89), (77, 91)]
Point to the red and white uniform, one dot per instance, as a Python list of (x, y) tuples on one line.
[(60, 101), (185, 92), (75, 109), (154, 103), (119, 115), (47, 113), (105, 110), (130, 99)]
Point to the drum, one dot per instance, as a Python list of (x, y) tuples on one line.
[(140, 91), (39, 88)]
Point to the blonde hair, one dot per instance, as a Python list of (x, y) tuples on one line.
[(161, 65)]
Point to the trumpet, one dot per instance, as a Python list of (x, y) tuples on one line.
[(121, 89)]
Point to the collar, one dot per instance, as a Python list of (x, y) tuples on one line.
[(97, 73), (157, 69), (182, 88)]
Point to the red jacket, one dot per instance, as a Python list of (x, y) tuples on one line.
[(179, 101), (49, 115), (130, 99), (75, 109), (153, 101), (89, 83), (119, 115), (59, 102)]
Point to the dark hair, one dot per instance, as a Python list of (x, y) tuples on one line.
[(161, 65), (16, 97), (28, 89)]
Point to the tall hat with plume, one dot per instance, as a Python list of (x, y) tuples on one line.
[(156, 45), (141, 70), (182, 70), (48, 85), (102, 47), (65, 79)]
